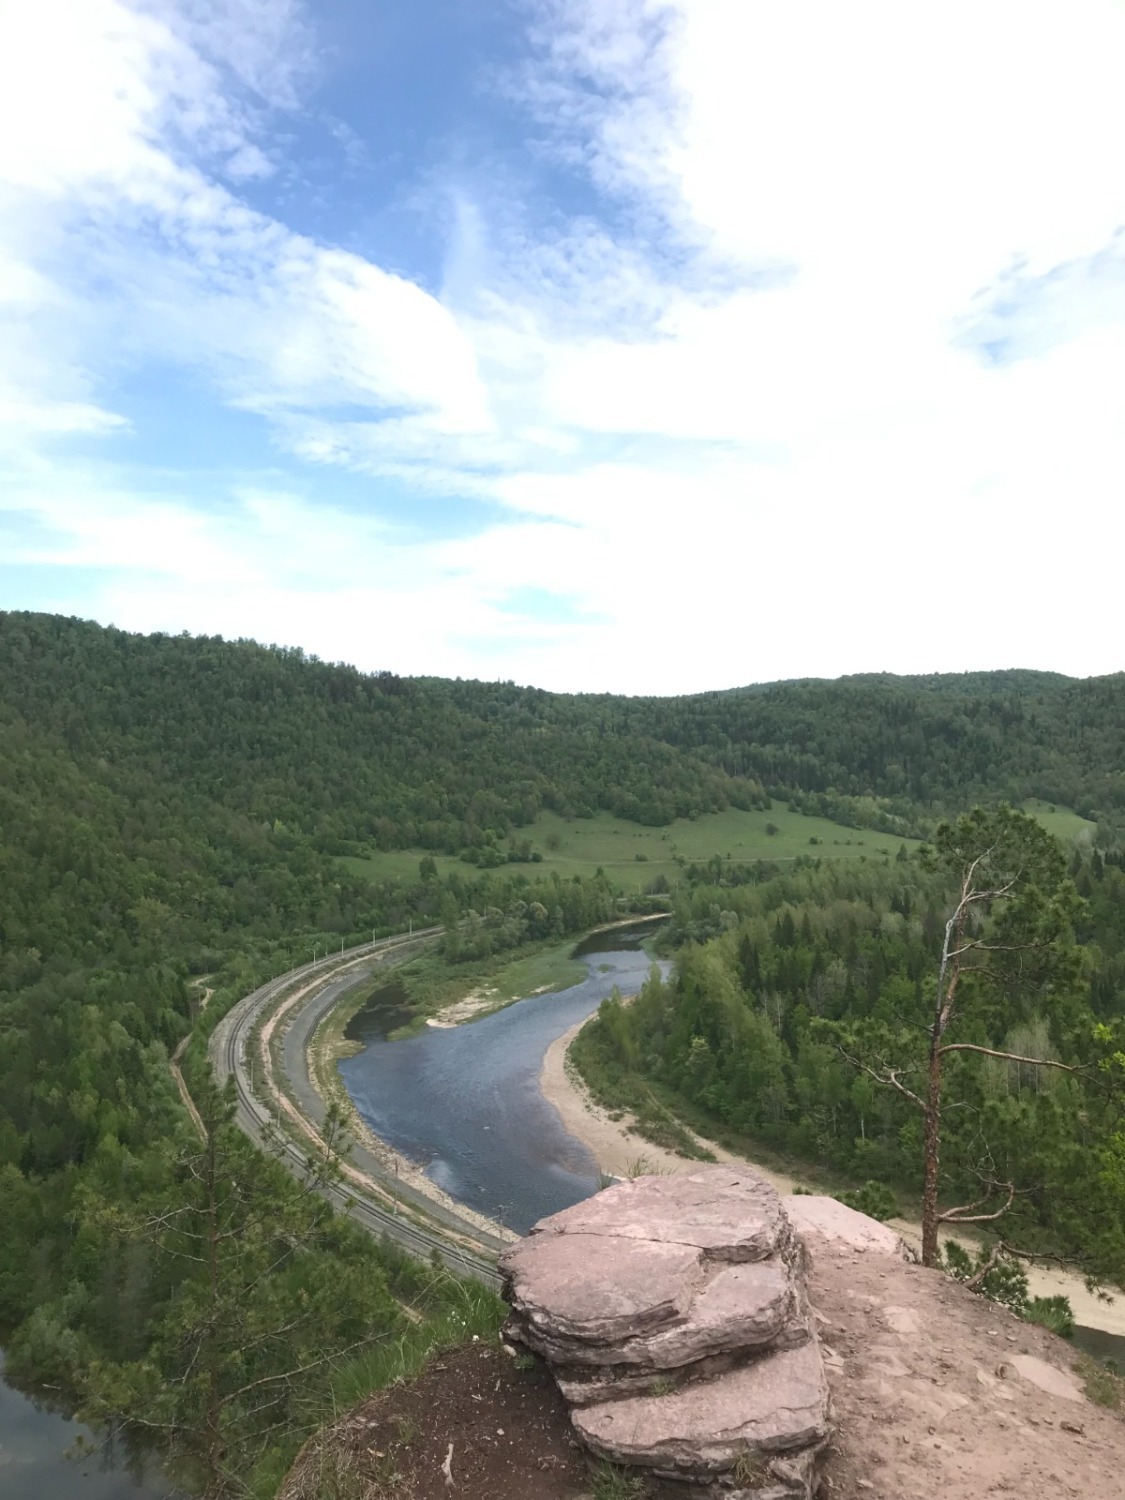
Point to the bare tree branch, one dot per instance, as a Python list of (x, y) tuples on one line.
[(958, 1216), (889, 1078), (995, 1255), (1035, 1062), (301, 1370)]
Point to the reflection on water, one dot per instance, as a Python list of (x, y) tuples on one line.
[(465, 1100), (620, 940), (385, 1010), (34, 1442)]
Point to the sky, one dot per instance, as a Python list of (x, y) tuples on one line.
[(638, 345)]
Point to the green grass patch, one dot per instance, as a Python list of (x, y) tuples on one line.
[(1062, 823), (1100, 1383), (447, 1313), (432, 982), (633, 855), (455, 1311), (537, 973), (402, 864), (608, 1482)]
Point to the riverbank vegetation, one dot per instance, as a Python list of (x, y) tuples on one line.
[(798, 1016), (423, 988)]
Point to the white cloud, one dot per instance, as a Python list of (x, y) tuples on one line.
[(101, 117), (749, 417), (248, 164), (59, 417), (268, 45)]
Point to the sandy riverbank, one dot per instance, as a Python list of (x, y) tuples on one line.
[(616, 1147)]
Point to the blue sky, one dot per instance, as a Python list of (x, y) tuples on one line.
[(647, 345)]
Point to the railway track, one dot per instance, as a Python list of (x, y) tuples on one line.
[(422, 1226)]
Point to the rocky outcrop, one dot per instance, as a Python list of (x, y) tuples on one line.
[(672, 1312), (829, 1220)]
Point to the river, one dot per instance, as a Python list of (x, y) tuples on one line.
[(34, 1441), (465, 1101)]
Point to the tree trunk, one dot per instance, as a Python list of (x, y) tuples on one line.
[(214, 1418), (931, 1146)]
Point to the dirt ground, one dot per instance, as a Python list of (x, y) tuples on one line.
[(508, 1426), (937, 1392)]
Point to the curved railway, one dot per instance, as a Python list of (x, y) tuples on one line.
[(410, 1218)]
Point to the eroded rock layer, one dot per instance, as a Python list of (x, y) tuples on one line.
[(672, 1312)]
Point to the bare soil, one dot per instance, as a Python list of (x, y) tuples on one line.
[(506, 1421), (938, 1392), (935, 1391)]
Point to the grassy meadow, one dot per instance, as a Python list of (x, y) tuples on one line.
[(633, 855), (1063, 823)]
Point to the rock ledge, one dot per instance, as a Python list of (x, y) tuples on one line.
[(672, 1312)]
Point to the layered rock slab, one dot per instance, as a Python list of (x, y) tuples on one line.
[(730, 1213), (672, 1312), (648, 1307), (774, 1406)]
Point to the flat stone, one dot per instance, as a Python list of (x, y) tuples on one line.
[(829, 1219), (902, 1320), (590, 1385), (589, 1289), (777, 1405), (729, 1213), (1047, 1377), (743, 1306)]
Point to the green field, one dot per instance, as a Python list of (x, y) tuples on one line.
[(1064, 823), (634, 855)]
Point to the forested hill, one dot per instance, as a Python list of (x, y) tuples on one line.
[(935, 743), (283, 739)]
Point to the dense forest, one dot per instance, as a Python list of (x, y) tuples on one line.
[(172, 816), (285, 744)]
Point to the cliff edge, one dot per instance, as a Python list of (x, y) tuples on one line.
[(933, 1390)]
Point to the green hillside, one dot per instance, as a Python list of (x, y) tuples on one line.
[(356, 762)]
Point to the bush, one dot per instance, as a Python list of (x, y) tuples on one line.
[(1006, 1283), (1054, 1313), (874, 1199)]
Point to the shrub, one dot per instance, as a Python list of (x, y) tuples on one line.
[(874, 1199)]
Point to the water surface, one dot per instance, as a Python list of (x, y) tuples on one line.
[(34, 1441), (1102, 1345), (465, 1101)]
